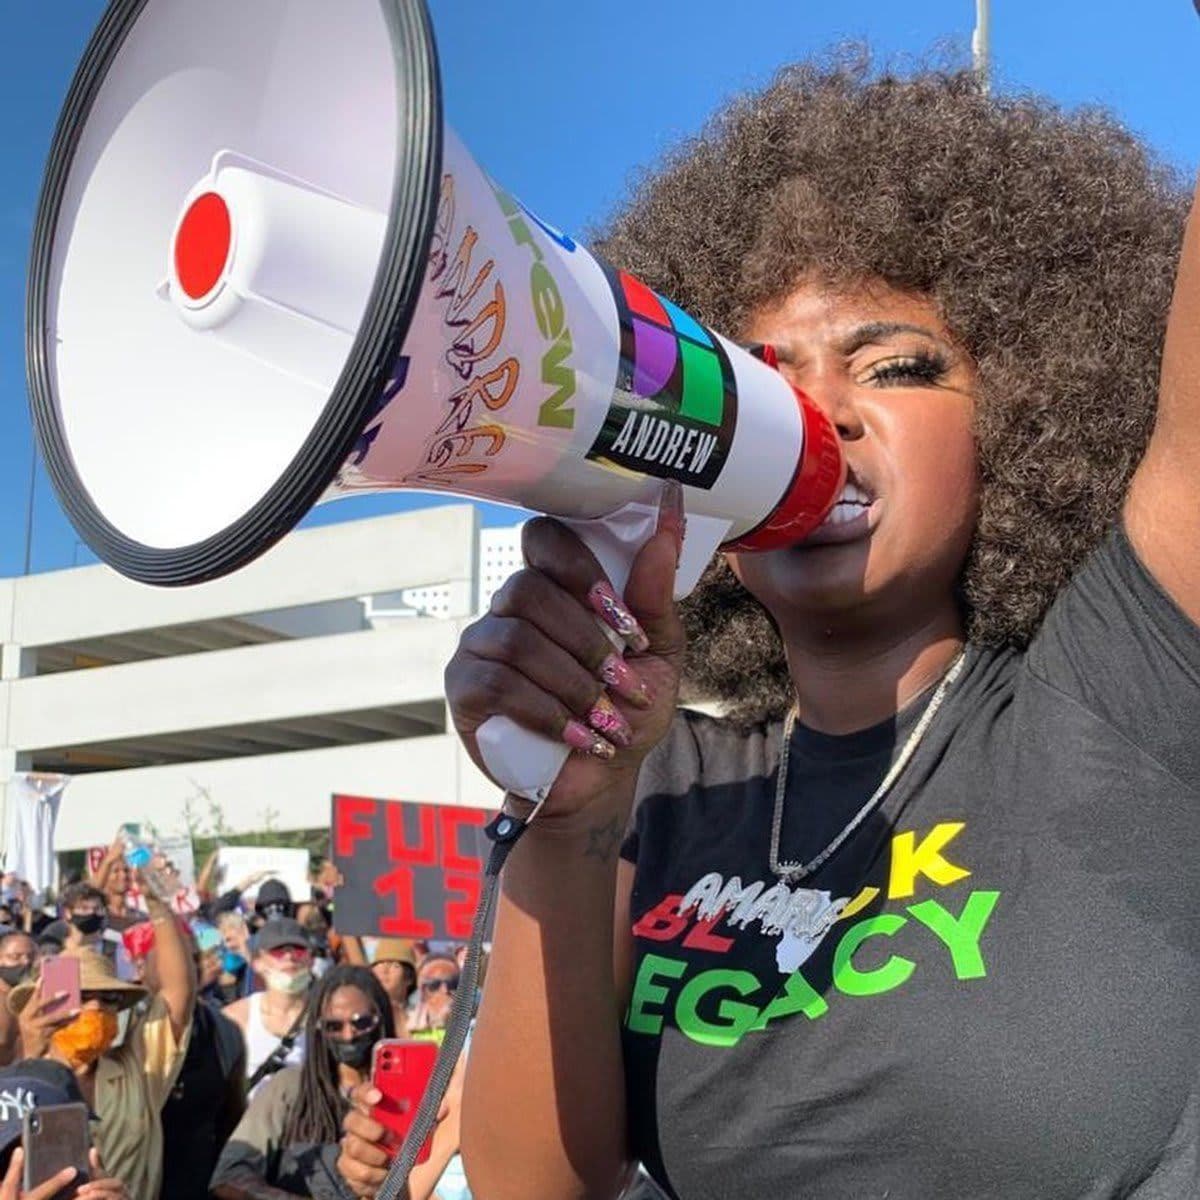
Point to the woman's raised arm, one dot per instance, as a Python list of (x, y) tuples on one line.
[(544, 1098), (1162, 511)]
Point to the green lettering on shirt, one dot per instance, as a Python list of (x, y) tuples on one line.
[(736, 1016), (961, 934), (645, 991), (849, 979)]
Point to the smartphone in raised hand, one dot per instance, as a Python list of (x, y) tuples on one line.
[(400, 1070), (60, 974), (55, 1137)]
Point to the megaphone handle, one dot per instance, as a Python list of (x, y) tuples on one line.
[(528, 763)]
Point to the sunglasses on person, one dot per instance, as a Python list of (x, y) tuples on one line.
[(430, 986), (289, 953), (359, 1023), (106, 999)]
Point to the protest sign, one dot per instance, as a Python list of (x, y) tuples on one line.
[(177, 850), (238, 863), (408, 870)]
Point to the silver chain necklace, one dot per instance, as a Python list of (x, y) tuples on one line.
[(793, 872)]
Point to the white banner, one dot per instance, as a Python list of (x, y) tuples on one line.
[(177, 849), (32, 808), (235, 864)]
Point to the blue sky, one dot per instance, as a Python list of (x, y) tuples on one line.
[(564, 102)]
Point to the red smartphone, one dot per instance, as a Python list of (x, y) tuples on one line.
[(55, 1137), (400, 1069), (61, 974)]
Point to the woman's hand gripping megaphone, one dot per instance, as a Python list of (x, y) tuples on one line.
[(561, 659)]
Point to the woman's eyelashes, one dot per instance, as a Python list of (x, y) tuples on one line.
[(923, 369)]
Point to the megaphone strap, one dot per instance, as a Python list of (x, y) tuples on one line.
[(504, 830)]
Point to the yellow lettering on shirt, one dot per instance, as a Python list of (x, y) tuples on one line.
[(910, 859)]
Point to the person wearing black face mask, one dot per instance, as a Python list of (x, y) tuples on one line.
[(18, 956), (288, 1139), (274, 900), (83, 907)]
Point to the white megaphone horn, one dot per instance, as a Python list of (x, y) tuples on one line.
[(265, 274)]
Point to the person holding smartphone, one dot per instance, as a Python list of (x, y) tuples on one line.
[(364, 1158), (125, 1084), (25, 1087), (287, 1144)]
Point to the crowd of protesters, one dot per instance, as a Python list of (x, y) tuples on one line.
[(224, 1053)]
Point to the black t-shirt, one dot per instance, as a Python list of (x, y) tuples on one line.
[(993, 989)]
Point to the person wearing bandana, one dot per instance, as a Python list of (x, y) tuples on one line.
[(125, 1082)]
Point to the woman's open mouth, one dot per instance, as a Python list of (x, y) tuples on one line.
[(851, 518)]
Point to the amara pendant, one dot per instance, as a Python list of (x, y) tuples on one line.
[(801, 912)]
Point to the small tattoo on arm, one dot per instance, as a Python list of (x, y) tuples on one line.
[(603, 840)]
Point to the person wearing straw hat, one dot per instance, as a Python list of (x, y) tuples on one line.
[(126, 1083)]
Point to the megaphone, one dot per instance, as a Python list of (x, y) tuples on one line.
[(266, 274)]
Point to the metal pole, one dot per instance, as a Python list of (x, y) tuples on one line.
[(981, 44), (33, 458)]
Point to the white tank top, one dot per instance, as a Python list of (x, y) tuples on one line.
[(260, 1041)]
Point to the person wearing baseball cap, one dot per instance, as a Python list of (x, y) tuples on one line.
[(271, 1020), (25, 1086), (127, 1084)]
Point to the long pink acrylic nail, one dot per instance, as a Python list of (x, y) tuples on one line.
[(604, 718), (625, 681), (579, 737), (612, 611), (671, 515)]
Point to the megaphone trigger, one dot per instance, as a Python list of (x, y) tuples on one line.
[(526, 763)]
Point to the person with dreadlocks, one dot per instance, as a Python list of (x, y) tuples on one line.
[(287, 1143), (914, 915)]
